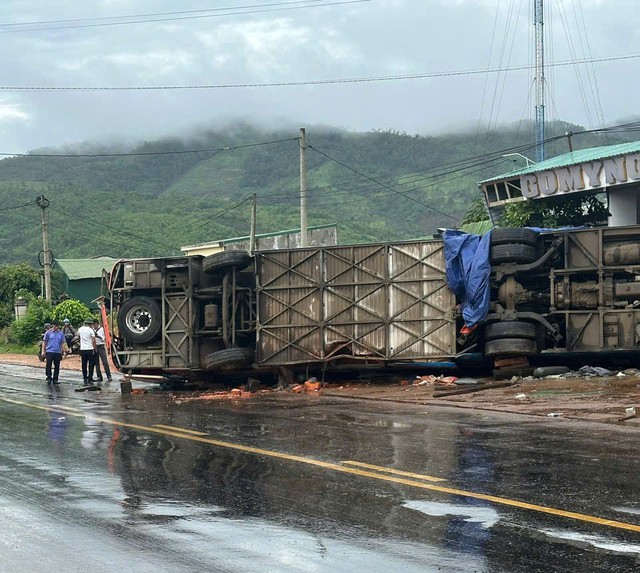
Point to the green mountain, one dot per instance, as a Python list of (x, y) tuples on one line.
[(157, 196)]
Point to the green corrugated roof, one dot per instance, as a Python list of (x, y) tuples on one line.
[(77, 269), (572, 158)]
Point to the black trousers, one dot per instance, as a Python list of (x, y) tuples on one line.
[(88, 364), (53, 358)]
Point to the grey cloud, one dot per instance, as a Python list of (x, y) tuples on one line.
[(379, 38)]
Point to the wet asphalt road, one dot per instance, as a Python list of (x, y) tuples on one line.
[(107, 483)]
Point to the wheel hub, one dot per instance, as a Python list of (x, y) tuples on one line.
[(139, 320)]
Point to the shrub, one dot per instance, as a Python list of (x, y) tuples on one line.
[(28, 330), (6, 315), (72, 309)]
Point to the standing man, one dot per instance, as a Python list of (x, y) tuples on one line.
[(102, 352), (69, 332), (87, 337), (52, 347)]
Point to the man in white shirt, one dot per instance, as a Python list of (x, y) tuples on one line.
[(102, 352), (88, 350)]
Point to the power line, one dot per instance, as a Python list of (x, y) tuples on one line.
[(369, 79), (144, 20), (214, 150), (88, 236), (17, 206), (150, 15), (124, 234), (382, 184), (224, 212)]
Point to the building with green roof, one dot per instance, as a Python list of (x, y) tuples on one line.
[(318, 235), (613, 170), (83, 277)]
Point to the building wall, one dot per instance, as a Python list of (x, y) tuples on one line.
[(85, 290), (317, 238), (203, 250), (325, 237)]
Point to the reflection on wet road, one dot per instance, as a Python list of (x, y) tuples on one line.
[(144, 483)]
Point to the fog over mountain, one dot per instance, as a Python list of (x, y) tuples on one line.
[(246, 52)]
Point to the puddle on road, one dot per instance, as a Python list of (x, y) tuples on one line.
[(486, 516), (629, 510), (583, 540)]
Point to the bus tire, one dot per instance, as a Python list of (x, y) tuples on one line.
[(510, 329), (513, 235), (229, 359), (512, 253), (222, 262), (140, 319), (510, 347)]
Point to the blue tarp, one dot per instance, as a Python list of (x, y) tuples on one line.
[(468, 270)]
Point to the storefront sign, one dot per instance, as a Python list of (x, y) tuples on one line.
[(582, 177)]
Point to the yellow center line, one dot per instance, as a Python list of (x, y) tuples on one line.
[(183, 430), (65, 408), (392, 471), (350, 470)]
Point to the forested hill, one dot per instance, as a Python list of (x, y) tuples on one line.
[(151, 199)]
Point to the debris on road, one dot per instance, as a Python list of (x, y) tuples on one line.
[(88, 388), (594, 371), (471, 389), (435, 380), (544, 371)]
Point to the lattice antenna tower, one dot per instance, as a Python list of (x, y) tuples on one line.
[(539, 29)]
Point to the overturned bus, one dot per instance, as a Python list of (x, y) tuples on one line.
[(379, 304)]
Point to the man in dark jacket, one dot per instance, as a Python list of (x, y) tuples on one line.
[(69, 332)]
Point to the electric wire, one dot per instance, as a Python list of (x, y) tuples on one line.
[(86, 235), (17, 206), (123, 234), (594, 76), (486, 78), (354, 80), (576, 69), (501, 77), (150, 15), (224, 212), (382, 184), (182, 18), (214, 150)]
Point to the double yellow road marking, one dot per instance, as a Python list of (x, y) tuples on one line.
[(348, 467)]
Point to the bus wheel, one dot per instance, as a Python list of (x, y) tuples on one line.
[(222, 262), (229, 359), (512, 253), (510, 329), (140, 319), (510, 347), (513, 235)]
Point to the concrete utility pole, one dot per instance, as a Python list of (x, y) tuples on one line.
[(304, 239), (539, 29), (43, 203), (252, 233)]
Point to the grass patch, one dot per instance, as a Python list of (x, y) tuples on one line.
[(6, 348)]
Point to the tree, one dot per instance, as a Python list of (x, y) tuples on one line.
[(565, 211), (476, 213), (28, 330), (13, 279), (16, 277), (72, 309)]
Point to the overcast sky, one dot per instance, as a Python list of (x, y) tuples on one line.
[(276, 41)]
